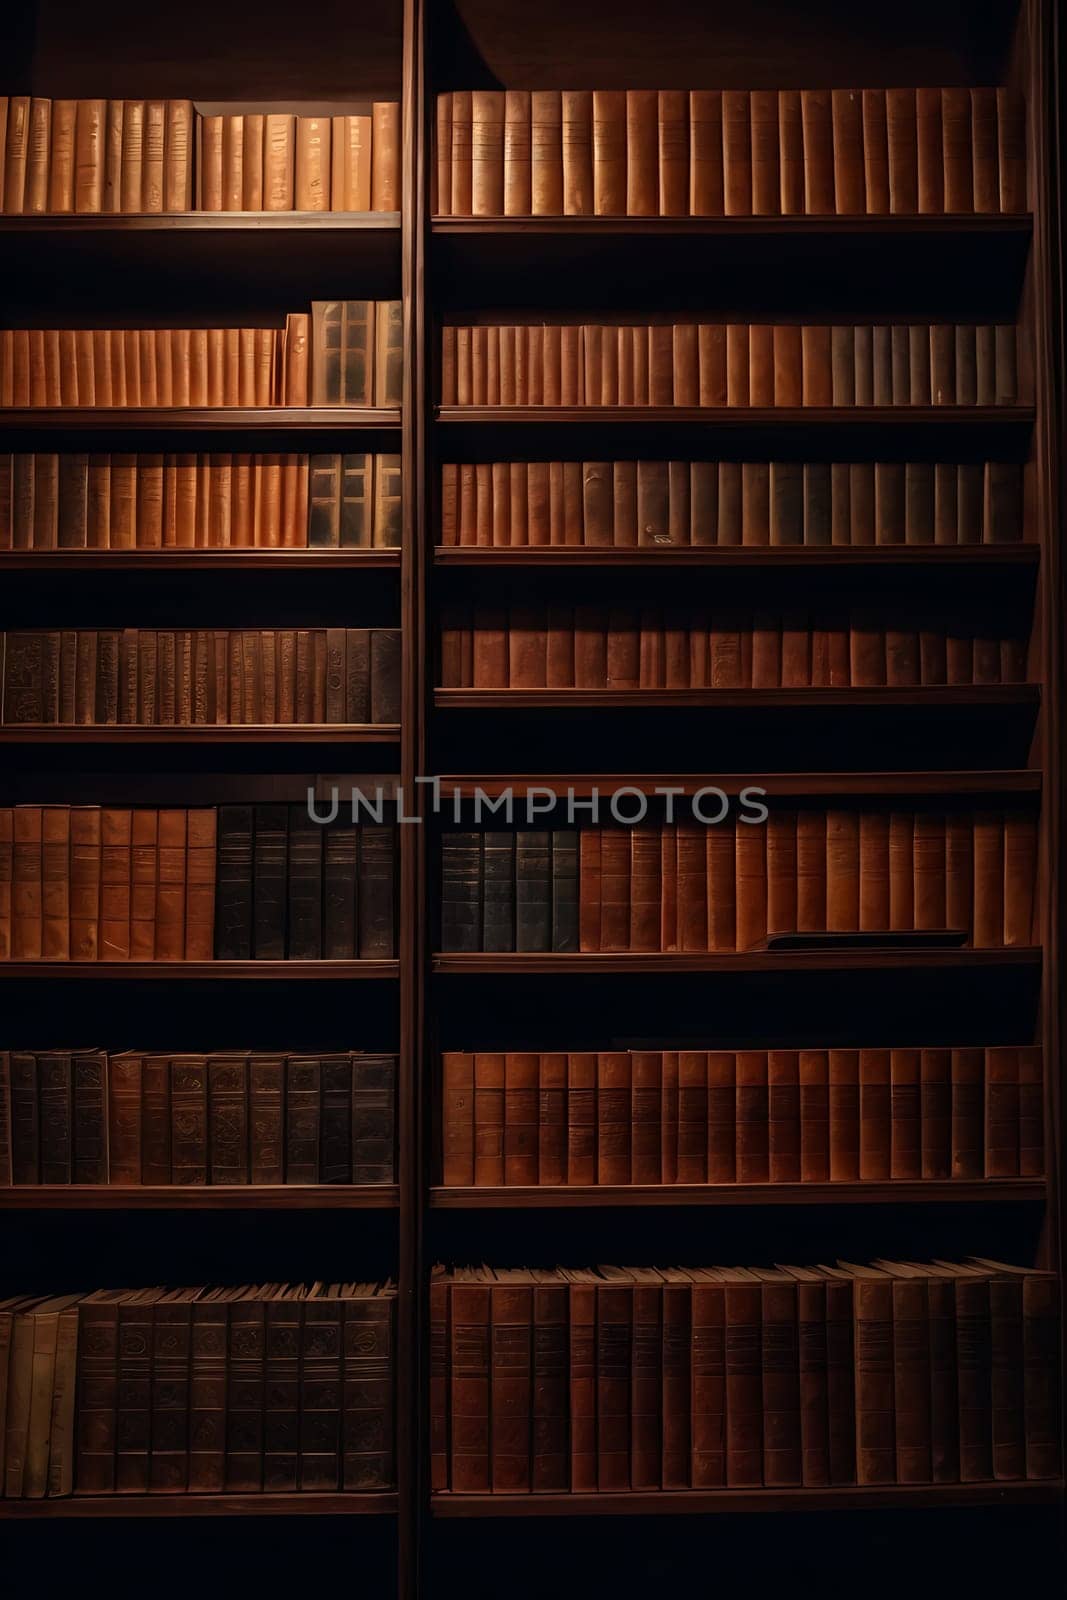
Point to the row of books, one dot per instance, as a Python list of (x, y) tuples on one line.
[(731, 886), (612, 1379), (729, 364), (233, 1117), (592, 647), (59, 156), (253, 1389), (106, 883), (197, 501), (732, 152), (682, 503), (150, 677), (345, 353), (548, 1118)]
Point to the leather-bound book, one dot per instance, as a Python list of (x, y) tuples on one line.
[(439, 1358), (752, 1131), (874, 885), (1006, 1368), (335, 1119), (614, 1338), (790, 153), (646, 1100), (989, 878), (89, 1118), (814, 1401), (340, 892), (367, 1434), (813, 1070), (674, 139), (385, 155), (489, 1090), (974, 1376), (613, 1118), (694, 1311), (551, 1116), (533, 890), (377, 891), (968, 1073), (168, 1468), (577, 143), (268, 889), (912, 1394), (903, 160), (906, 1112), (783, 1116), (517, 155), (766, 185), (565, 883), (303, 1077), (281, 1390), (186, 1081), (245, 1375), (1031, 1112), (582, 1071), (207, 1392), (461, 892), (957, 145), (458, 148), (645, 889), (546, 144), (97, 1382), (55, 883), (901, 873), (846, 106), (744, 1382), (872, 1292), (374, 1119), (55, 1099), (25, 1119), (498, 891), (706, 197), (469, 1365), (737, 153), (1011, 150), (692, 1116), (876, 152), (134, 1391), (265, 1118), (487, 153), (646, 1379), (1002, 1112), (818, 140), (171, 885), (26, 904), (235, 884), (935, 1089), (200, 868), (842, 870), (1020, 863), (875, 1114), (1041, 1374), (751, 884), (520, 1117), (305, 886), (782, 1436)]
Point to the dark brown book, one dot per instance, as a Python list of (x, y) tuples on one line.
[(782, 1435), (510, 1354), (744, 1378)]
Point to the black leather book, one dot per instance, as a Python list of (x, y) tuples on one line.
[(340, 891), (233, 895), (373, 1119), (499, 880), (461, 891), (305, 886), (335, 1119), (385, 675), (269, 882), (377, 892), (565, 889), (533, 890)]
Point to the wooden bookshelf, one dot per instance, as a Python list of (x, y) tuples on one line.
[(210, 269)]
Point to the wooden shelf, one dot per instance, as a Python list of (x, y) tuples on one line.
[(264, 424), (799, 556), (55, 227), (740, 417), (197, 971), (200, 1197), (775, 783), (521, 963), (732, 227), (204, 1505), (82, 561), (671, 1502), (516, 1197), (235, 733), (935, 695)]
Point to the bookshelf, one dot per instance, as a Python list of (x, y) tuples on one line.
[(966, 745)]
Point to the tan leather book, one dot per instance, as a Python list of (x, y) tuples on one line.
[(385, 156), (296, 359), (461, 153), (766, 178), (178, 156), (233, 159), (16, 154), (38, 156), (577, 144), (115, 870), (114, 117), (312, 189), (816, 368), (279, 159), (352, 150), (673, 153), (170, 886), (1020, 869), (737, 153), (876, 152), (1011, 150), (609, 152), (200, 884), (152, 168), (817, 122), (989, 879), (706, 173), (642, 153), (88, 156), (761, 364), (85, 867), (546, 145), (133, 131), (209, 163), (846, 108), (441, 193)]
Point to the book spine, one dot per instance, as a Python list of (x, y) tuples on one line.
[(470, 1388), (782, 1436)]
